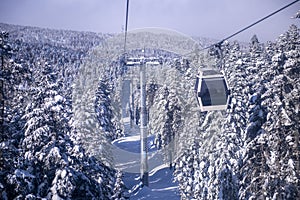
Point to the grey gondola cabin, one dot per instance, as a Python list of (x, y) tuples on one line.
[(211, 90)]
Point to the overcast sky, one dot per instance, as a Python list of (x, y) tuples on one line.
[(209, 18)]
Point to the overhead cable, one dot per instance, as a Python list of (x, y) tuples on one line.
[(126, 25), (247, 27)]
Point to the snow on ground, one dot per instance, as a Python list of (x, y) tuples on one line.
[(161, 185), (126, 153), (132, 143)]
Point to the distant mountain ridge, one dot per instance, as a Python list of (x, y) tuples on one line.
[(97, 37)]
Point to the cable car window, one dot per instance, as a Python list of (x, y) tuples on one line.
[(213, 91), (204, 94)]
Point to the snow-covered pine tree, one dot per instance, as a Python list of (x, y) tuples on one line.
[(282, 100), (257, 66), (14, 80), (185, 174), (235, 65), (5, 52), (104, 110), (119, 188), (48, 168), (166, 113), (187, 155), (26, 81), (292, 106), (297, 15)]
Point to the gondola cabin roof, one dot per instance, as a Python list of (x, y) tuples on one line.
[(206, 73), (212, 91)]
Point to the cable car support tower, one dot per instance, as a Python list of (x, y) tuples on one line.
[(144, 174)]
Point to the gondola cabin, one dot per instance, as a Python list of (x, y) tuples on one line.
[(211, 90)]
